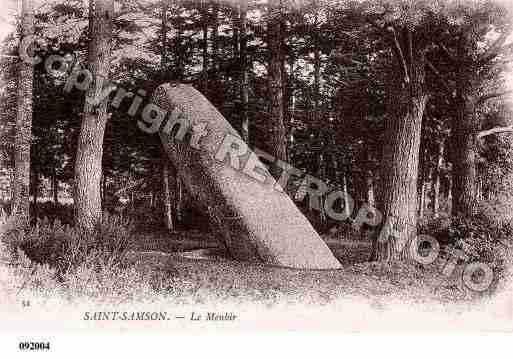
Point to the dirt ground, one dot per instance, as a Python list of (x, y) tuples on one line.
[(200, 262), (190, 269)]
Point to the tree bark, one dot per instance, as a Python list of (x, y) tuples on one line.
[(277, 136), (449, 196), (321, 175), (479, 192), (55, 189), (284, 75), (316, 115), (179, 198), (11, 188), (292, 111), (166, 171), (370, 190), (178, 55), (168, 201), (88, 165), (215, 40), (422, 200), (163, 52), (21, 190), (204, 70), (428, 188), (347, 209), (35, 190), (363, 190), (463, 141), (464, 157), (243, 81), (317, 79), (399, 171)]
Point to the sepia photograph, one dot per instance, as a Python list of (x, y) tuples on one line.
[(196, 166)]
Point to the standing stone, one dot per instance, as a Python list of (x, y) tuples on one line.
[(257, 222)]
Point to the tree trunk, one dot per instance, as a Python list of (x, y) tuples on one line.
[(55, 189), (363, 191), (23, 134), (400, 162), (11, 188), (428, 188), (370, 190), (178, 55), (463, 149), (292, 111), (163, 52), (316, 115), (321, 175), (165, 170), (398, 202), (243, 81), (258, 223), (179, 198), (168, 198), (449, 197), (479, 192), (317, 82), (363, 186), (284, 75), (35, 190), (88, 165), (277, 136), (204, 74), (347, 209), (436, 181), (215, 39), (463, 141), (422, 200)]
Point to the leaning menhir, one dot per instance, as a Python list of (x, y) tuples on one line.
[(227, 180)]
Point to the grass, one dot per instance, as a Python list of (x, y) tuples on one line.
[(118, 266), (153, 275)]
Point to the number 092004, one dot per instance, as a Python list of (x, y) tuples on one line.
[(34, 346)]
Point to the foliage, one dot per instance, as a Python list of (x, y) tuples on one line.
[(437, 228), (66, 248), (52, 258), (483, 238)]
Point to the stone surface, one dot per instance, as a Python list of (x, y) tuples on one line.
[(256, 221)]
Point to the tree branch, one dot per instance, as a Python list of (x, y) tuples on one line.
[(399, 54), (409, 36), (447, 52), (439, 76), (494, 130)]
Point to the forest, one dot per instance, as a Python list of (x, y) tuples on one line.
[(386, 123)]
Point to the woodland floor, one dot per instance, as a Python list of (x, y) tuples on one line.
[(191, 271), (216, 278)]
